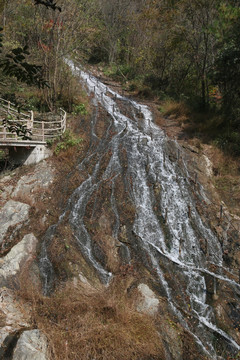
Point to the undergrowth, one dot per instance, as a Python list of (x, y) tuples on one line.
[(209, 125), (94, 324), (67, 140)]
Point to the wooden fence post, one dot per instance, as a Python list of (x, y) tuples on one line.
[(43, 131), (221, 212), (31, 120)]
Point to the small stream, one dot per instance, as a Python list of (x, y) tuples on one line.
[(158, 180)]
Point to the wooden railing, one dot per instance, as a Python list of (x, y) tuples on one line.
[(39, 130)]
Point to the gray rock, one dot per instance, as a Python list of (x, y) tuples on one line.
[(12, 213), (13, 316), (29, 184), (31, 345), (148, 302), (5, 194), (11, 264)]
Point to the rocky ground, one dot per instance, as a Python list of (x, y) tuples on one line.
[(20, 191)]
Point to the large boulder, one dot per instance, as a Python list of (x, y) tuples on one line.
[(13, 316), (148, 302), (31, 184), (13, 213), (31, 345), (18, 256)]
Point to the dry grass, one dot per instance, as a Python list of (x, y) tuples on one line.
[(95, 324), (178, 110), (227, 178), (205, 123)]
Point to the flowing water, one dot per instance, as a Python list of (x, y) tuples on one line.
[(157, 180)]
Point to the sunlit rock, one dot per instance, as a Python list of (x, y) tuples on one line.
[(13, 316), (12, 213), (17, 257), (148, 303), (31, 345), (29, 185)]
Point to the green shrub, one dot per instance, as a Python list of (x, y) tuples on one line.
[(2, 155), (229, 142), (120, 71), (79, 109), (67, 140)]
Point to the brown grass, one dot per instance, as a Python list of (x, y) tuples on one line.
[(94, 324), (178, 110), (204, 123), (227, 178)]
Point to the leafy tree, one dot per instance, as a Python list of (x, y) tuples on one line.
[(16, 127), (226, 70), (14, 64), (49, 4)]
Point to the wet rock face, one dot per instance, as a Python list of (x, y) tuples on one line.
[(13, 213), (154, 192), (31, 345)]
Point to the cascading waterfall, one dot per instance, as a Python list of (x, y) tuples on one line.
[(171, 241)]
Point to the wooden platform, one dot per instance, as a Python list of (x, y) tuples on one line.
[(39, 130), (20, 143)]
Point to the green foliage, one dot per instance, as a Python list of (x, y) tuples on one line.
[(14, 64), (166, 49), (227, 75), (16, 127), (79, 109), (122, 71), (49, 4), (2, 155), (229, 142), (67, 140)]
